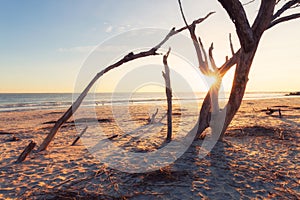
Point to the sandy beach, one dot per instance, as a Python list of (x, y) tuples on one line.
[(258, 159)]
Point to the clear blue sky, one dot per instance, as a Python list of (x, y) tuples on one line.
[(44, 43)]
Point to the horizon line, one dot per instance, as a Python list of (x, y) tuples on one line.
[(252, 91)]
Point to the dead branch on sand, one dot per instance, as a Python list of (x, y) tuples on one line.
[(26, 152)]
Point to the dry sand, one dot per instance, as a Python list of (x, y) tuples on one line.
[(258, 159)]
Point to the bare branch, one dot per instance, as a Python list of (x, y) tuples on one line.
[(238, 16), (229, 63), (182, 14), (195, 22), (203, 50), (284, 19), (249, 2), (211, 58), (202, 64), (165, 58), (285, 7), (194, 39), (26, 152), (174, 31), (263, 18), (79, 136), (296, 5), (231, 45)]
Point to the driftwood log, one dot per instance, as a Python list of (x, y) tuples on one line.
[(79, 136), (270, 111), (26, 152)]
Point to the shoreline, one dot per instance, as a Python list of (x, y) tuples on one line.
[(64, 101), (161, 102)]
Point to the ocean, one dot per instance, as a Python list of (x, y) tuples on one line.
[(28, 101)]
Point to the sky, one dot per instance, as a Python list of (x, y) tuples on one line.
[(45, 46)]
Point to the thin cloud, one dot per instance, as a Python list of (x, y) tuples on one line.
[(79, 49), (109, 29), (117, 29), (87, 49)]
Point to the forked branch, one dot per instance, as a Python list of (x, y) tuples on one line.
[(284, 19), (211, 58), (285, 7), (203, 66), (238, 16)]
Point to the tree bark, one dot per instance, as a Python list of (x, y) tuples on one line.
[(238, 87), (245, 60)]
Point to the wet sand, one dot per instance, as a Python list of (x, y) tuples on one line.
[(258, 159)]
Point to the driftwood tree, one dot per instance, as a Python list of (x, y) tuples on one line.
[(249, 38)]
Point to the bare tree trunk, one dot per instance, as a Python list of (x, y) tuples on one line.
[(247, 53), (238, 88), (205, 111), (204, 116), (166, 76)]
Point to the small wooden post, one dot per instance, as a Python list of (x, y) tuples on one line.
[(166, 76), (279, 113), (79, 136), (26, 152)]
